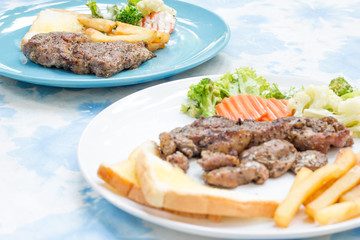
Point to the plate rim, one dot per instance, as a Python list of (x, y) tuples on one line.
[(89, 82), (191, 228)]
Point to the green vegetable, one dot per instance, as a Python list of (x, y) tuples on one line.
[(95, 10), (352, 94), (321, 101), (207, 94), (340, 86), (128, 14), (133, 2)]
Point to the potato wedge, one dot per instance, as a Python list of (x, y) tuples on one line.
[(128, 29), (155, 46), (161, 37), (333, 193), (97, 36), (102, 25), (338, 212)]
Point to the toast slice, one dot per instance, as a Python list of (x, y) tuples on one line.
[(122, 177), (54, 20), (166, 186)]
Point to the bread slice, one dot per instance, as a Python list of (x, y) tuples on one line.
[(54, 20), (122, 177), (166, 186)]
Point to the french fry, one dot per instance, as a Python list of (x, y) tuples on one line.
[(102, 25), (128, 29), (338, 212), (155, 46), (288, 208), (97, 36), (351, 195), (346, 159), (161, 37), (333, 193), (303, 174), (319, 191)]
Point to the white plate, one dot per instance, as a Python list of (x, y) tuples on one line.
[(116, 131)]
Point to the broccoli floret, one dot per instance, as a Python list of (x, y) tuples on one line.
[(340, 86), (95, 10), (128, 14), (205, 96)]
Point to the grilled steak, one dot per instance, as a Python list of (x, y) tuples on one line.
[(179, 159), (231, 177), (264, 131), (264, 149), (76, 52), (277, 155), (311, 159), (215, 134), (310, 133), (212, 160)]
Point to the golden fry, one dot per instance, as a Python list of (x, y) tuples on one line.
[(288, 208), (97, 36), (128, 29), (303, 174), (333, 193), (338, 212), (102, 25), (155, 46), (351, 195), (161, 37)]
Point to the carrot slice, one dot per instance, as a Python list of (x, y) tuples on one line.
[(246, 106)]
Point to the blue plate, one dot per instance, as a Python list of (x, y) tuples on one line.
[(199, 35)]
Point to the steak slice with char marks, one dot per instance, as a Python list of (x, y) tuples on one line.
[(310, 133), (277, 155), (76, 52), (231, 177), (311, 159), (212, 160)]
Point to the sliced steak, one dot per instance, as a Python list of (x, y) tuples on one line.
[(76, 52), (264, 131), (212, 160), (277, 155), (311, 159), (179, 159), (231, 177), (216, 134), (310, 133)]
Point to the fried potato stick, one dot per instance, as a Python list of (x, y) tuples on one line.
[(338, 212), (345, 160), (333, 193)]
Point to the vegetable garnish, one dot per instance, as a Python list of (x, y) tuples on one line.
[(205, 95), (95, 10), (339, 100), (126, 14), (247, 106)]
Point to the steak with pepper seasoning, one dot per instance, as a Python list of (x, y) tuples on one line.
[(77, 53)]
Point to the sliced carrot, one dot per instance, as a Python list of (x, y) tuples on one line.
[(281, 105), (221, 110), (246, 106)]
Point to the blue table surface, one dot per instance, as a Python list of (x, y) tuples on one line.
[(43, 193)]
